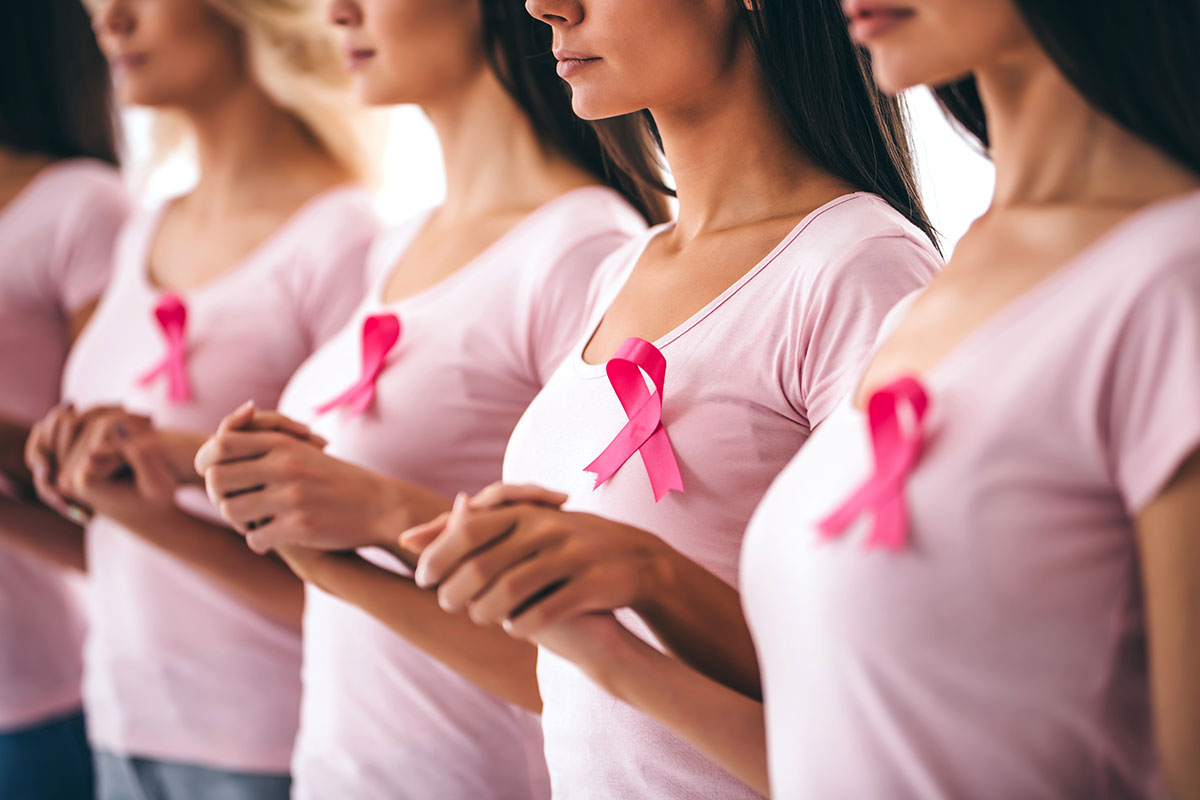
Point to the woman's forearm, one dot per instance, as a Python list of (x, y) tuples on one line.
[(698, 617), (723, 724), (263, 582), (41, 532), (13, 436), (488, 657)]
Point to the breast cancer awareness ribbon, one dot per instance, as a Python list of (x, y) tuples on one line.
[(896, 414), (644, 431), (380, 333), (171, 314)]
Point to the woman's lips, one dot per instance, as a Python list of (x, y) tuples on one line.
[(868, 21), (357, 57), (570, 63)]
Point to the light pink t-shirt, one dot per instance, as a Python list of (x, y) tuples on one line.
[(381, 720), (747, 379), (56, 242), (1002, 654), (176, 668)]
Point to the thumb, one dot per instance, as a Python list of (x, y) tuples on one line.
[(238, 419)]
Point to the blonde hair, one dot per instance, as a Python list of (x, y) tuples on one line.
[(292, 56)]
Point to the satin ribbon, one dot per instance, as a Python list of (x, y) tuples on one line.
[(380, 333), (171, 314), (644, 431), (896, 414)]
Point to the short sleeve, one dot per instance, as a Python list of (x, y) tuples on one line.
[(1154, 422), (844, 313), (86, 241), (561, 306), (333, 279)]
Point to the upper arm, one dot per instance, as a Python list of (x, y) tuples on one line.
[(1168, 531), (841, 316)]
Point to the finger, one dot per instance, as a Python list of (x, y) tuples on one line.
[(271, 533), (238, 446), (274, 421), (39, 456), (151, 471), (418, 537), (62, 432), (516, 588), (472, 578), (465, 533), (237, 477), (499, 494), (574, 598), (237, 419), (247, 511)]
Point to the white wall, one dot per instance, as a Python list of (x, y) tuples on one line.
[(955, 180)]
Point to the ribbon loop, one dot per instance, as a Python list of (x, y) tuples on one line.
[(380, 333), (644, 431), (171, 314), (896, 414)]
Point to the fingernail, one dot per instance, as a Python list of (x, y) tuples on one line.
[(121, 431), (421, 576)]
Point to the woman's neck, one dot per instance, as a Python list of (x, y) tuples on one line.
[(1051, 147), (733, 160), (253, 154), (494, 159)]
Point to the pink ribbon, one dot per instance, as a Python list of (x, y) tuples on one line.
[(379, 335), (171, 314), (896, 413), (644, 431)]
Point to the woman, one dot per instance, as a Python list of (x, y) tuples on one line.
[(61, 204), (1033, 630), (217, 297), (1002, 604), (471, 307), (751, 314)]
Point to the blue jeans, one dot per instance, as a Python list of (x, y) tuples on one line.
[(133, 778), (47, 761)]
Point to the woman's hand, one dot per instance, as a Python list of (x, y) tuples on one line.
[(50, 443), (278, 488), (117, 466), (534, 566)]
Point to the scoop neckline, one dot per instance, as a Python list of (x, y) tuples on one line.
[(590, 370), (1031, 297), (153, 226)]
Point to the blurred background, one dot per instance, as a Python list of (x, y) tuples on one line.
[(955, 178)]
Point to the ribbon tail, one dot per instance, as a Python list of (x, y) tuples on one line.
[(619, 450), (363, 396), (180, 390), (150, 375), (661, 464), (890, 529), (341, 400), (870, 494)]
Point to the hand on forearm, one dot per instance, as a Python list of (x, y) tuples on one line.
[(698, 618), (488, 657), (724, 724)]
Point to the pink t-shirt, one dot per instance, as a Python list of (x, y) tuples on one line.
[(748, 377), (1002, 654), (56, 242), (176, 668), (381, 720)]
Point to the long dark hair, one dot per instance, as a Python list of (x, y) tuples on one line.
[(823, 85), (56, 96), (620, 152), (1136, 62)]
